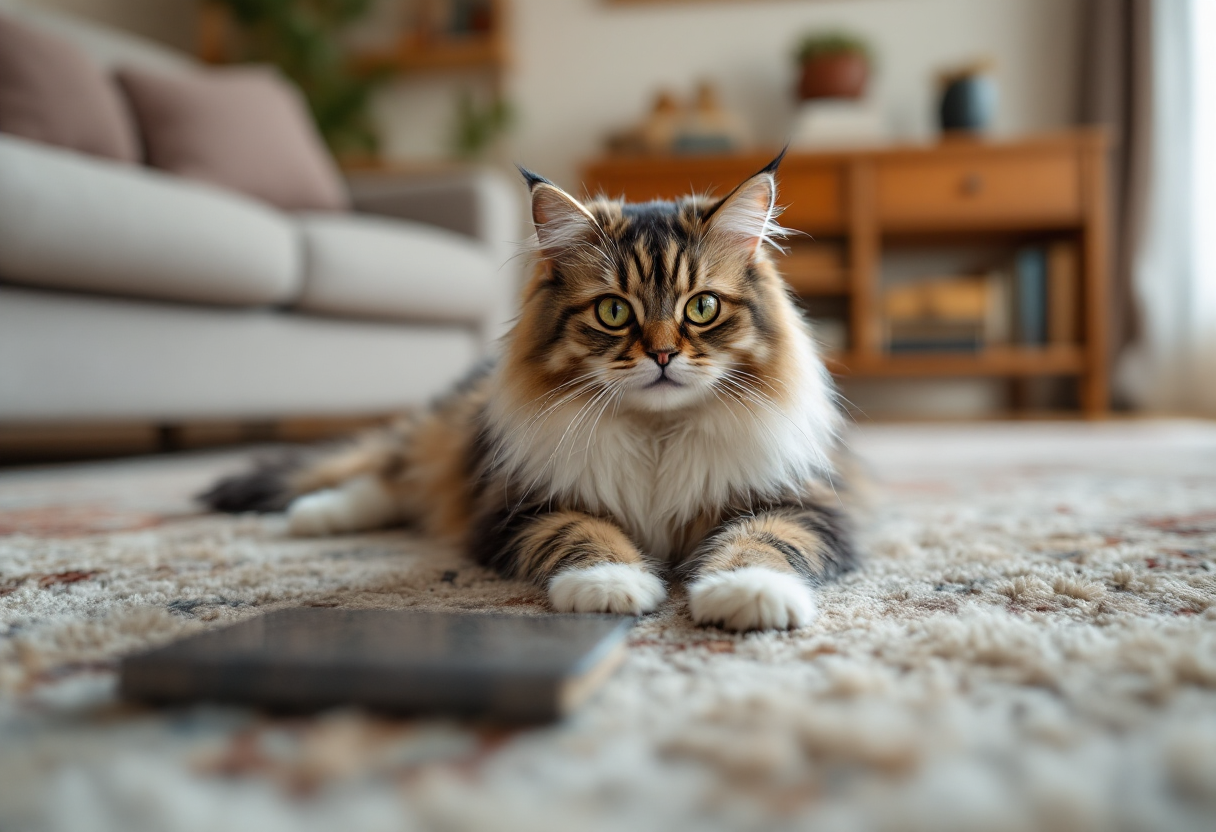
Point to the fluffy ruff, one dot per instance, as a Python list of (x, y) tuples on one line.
[(1029, 646)]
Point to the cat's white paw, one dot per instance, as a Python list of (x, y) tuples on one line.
[(358, 505), (752, 598), (606, 587), (319, 513)]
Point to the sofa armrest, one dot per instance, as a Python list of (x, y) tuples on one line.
[(481, 204)]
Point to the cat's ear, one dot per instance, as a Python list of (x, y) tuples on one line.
[(561, 220), (747, 216)]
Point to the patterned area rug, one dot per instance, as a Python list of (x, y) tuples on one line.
[(1031, 645)]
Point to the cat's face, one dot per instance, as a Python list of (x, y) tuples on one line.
[(657, 306)]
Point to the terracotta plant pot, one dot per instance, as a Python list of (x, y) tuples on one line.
[(835, 75)]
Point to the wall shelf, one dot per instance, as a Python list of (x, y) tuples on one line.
[(417, 49), (417, 55)]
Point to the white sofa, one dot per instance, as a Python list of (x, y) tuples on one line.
[(130, 295)]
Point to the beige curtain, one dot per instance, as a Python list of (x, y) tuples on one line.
[(1151, 76), (1116, 92)]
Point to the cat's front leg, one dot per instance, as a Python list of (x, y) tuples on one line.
[(586, 563), (757, 572)]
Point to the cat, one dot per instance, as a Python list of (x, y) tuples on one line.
[(659, 410)]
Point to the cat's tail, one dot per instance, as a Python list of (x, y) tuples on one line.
[(276, 479), (265, 487)]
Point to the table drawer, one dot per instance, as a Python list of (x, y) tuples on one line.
[(980, 191)]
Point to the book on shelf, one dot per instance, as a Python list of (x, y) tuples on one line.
[(1032, 299), (939, 336), (1030, 289), (1047, 288), (948, 313), (1063, 294)]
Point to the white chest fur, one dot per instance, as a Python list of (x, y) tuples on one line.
[(656, 473)]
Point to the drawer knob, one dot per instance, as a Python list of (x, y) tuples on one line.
[(972, 184)]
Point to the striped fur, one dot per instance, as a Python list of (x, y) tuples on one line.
[(595, 458)]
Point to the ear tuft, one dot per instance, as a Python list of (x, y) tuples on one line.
[(748, 214), (772, 166), (561, 220), (532, 179)]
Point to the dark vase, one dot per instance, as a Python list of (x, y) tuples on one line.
[(968, 104), (835, 75)]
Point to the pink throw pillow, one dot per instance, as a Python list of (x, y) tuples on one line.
[(242, 128), (51, 92)]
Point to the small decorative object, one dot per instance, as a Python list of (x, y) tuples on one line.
[(708, 127), (659, 130), (827, 122), (704, 127), (969, 97), (655, 134), (834, 65)]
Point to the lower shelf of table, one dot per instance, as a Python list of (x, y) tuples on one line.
[(993, 361)]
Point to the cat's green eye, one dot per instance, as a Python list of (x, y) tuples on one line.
[(613, 312), (702, 309)]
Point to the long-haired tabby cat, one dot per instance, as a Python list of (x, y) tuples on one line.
[(658, 410)]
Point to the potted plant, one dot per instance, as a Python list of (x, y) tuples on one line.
[(304, 41), (834, 65)]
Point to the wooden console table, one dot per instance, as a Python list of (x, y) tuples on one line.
[(957, 192)]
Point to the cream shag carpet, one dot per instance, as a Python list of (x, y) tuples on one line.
[(1032, 645)]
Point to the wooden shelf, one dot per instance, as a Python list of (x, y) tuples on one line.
[(418, 55), (414, 52), (1008, 362)]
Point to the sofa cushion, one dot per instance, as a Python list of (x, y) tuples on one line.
[(374, 267), (73, 222), (50, 91), (244, 128), (78, 358)]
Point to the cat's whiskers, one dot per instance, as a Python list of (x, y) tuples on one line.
[(835, 392), (760, 398), (772, 407), (544, 398), (727, 407), (605, 395), (534, 418), (743, 395), (619, 389), (601, 387), (535, 422), (742, 378)]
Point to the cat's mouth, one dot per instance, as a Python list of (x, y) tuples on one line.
[(662, 381)]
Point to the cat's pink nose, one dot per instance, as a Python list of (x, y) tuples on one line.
[(662, 356)]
